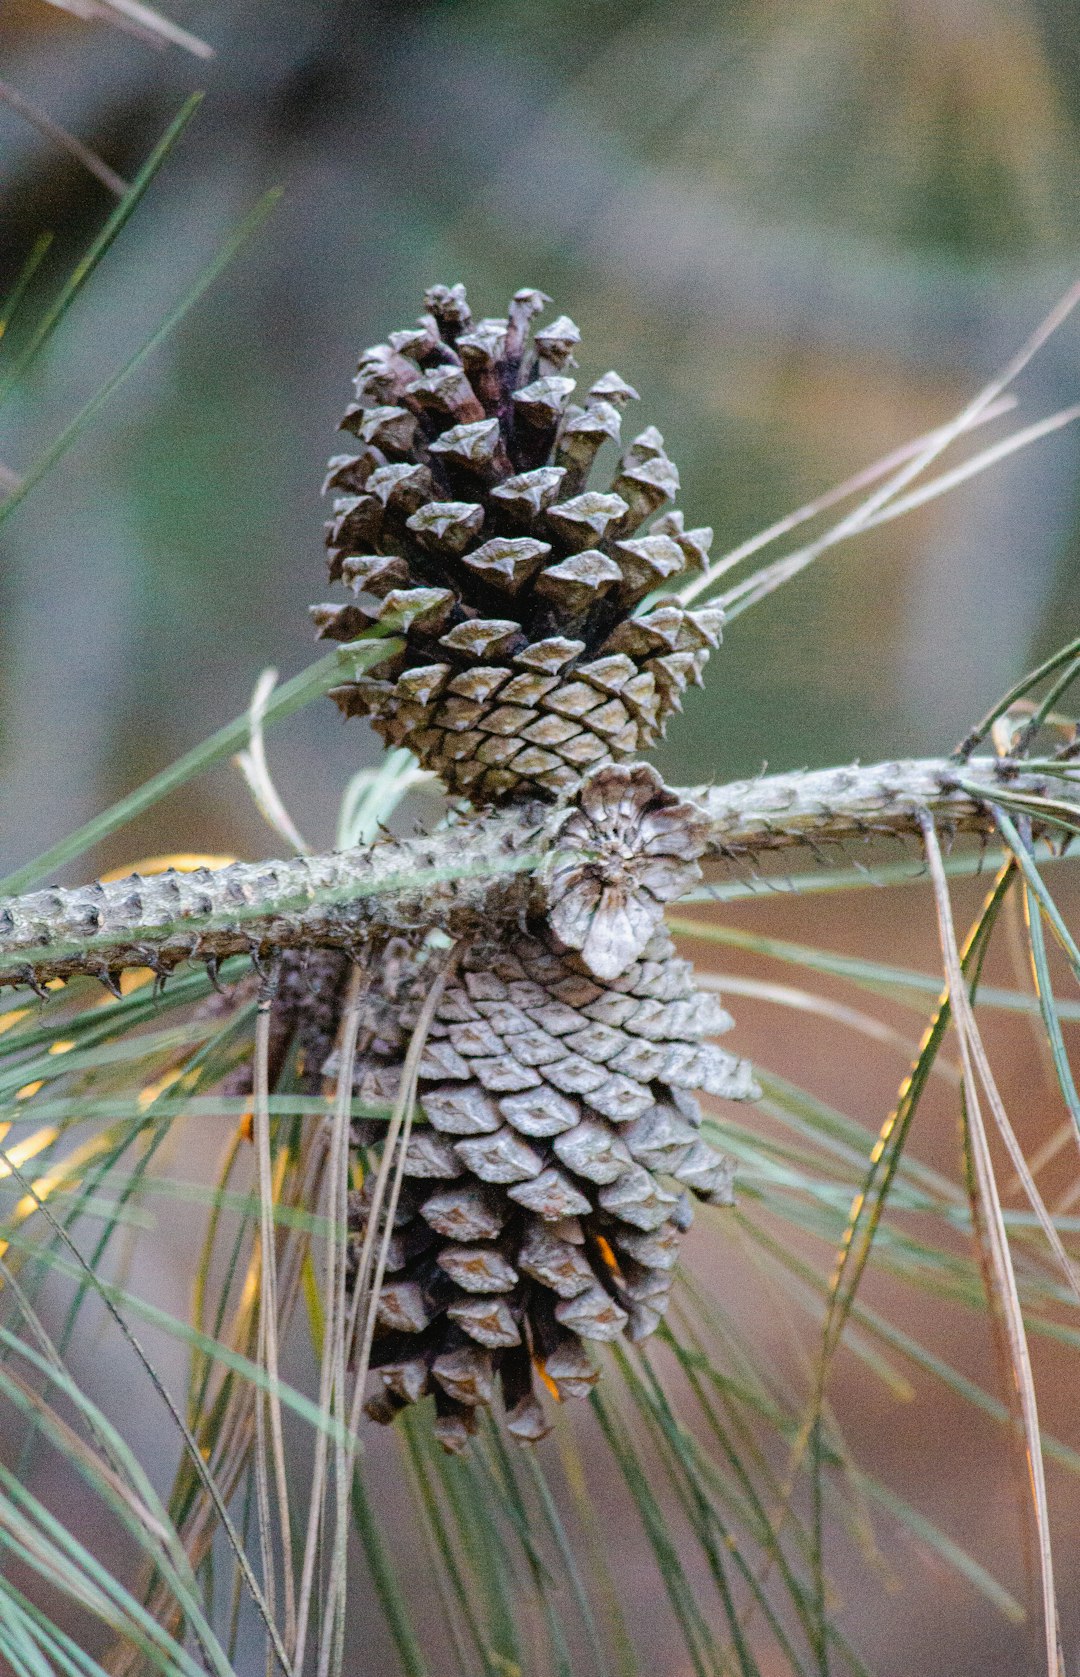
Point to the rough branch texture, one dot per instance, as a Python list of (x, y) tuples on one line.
[(828, 805), (258, 907), (340, 900)]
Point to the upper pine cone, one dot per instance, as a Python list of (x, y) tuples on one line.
[(468, 515)]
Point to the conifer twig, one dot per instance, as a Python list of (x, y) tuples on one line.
[(341, 899)]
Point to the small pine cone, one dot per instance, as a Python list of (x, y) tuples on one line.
[(545, 1194), (310, 988), (467, 518)]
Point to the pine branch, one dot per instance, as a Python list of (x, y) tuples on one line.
[(826, 806), (476, 875)]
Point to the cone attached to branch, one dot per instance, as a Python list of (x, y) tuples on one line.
[(550, 1173), (548, 1184), (469, 517), (546, 1191)]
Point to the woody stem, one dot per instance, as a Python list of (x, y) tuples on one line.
[(477, 876)]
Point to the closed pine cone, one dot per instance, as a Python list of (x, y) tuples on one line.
[(545, 1194)]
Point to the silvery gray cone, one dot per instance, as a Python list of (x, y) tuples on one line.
[(467, 517), (546, 1179)]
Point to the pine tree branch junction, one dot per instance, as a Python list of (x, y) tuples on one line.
[(345, 899)]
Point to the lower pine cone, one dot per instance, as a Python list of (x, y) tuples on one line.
[(545, 1195)]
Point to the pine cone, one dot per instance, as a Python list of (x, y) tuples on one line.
[(557, 1084), (467, 518), (545, 1183)]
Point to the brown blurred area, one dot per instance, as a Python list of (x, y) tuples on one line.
[(805, 233)]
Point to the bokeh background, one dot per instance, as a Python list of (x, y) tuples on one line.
[(804, 231)]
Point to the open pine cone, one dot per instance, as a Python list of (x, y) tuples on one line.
[(467, 517), (546, 1190)]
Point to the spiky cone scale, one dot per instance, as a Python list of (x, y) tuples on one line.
[(468, 518), (549, 1177)]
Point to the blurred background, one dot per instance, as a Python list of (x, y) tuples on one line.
[(804, 232)]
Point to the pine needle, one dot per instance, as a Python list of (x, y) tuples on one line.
[(821, 503), (999, 1244), (766, 581), (367, 1287), (332, 1358), (256, 771), (268, 1328), (98, 249), (309, 685), (52, 130), (194, 1454), (808, 1001), (136, 19), (770, 577)]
